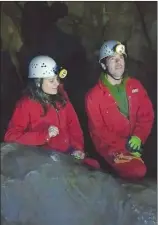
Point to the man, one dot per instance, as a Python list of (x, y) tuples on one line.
[(120, 114)]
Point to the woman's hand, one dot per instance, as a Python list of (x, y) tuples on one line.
[(78, 154), (53, 131)]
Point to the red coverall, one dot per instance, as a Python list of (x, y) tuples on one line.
[(110, 130), (29, 128)]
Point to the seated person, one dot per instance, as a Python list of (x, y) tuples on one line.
[(44, 116), (120, 114)]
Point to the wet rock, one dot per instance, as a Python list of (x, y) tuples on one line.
[(142, 195), (38, 189)]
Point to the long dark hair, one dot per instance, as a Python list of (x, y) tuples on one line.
[(35, 92)]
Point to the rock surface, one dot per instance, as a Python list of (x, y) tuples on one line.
[(37, 189)]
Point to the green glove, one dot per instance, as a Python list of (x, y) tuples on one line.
[(135, 143), (136, 154)]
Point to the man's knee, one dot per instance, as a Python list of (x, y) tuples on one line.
[(131, 170), (138, 171)]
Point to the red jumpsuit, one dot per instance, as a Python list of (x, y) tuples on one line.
[(29, 128), (110, 130)]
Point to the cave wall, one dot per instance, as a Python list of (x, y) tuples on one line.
[(133, 23), (95, 22)]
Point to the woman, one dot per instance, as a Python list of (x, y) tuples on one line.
[(44, 116)]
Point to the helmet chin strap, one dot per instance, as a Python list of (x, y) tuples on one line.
[(108, 73)]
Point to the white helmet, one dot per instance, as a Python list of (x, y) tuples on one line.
[(44, 67), (109, 48)]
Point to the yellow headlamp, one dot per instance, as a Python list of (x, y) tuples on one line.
[(120, 49), (63, 73)]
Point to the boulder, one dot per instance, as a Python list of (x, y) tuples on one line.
[(40, 186)]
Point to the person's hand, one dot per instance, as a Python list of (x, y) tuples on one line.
[(77, 154), (135, 143), (136, 154), (53, 131), (134, 146)]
